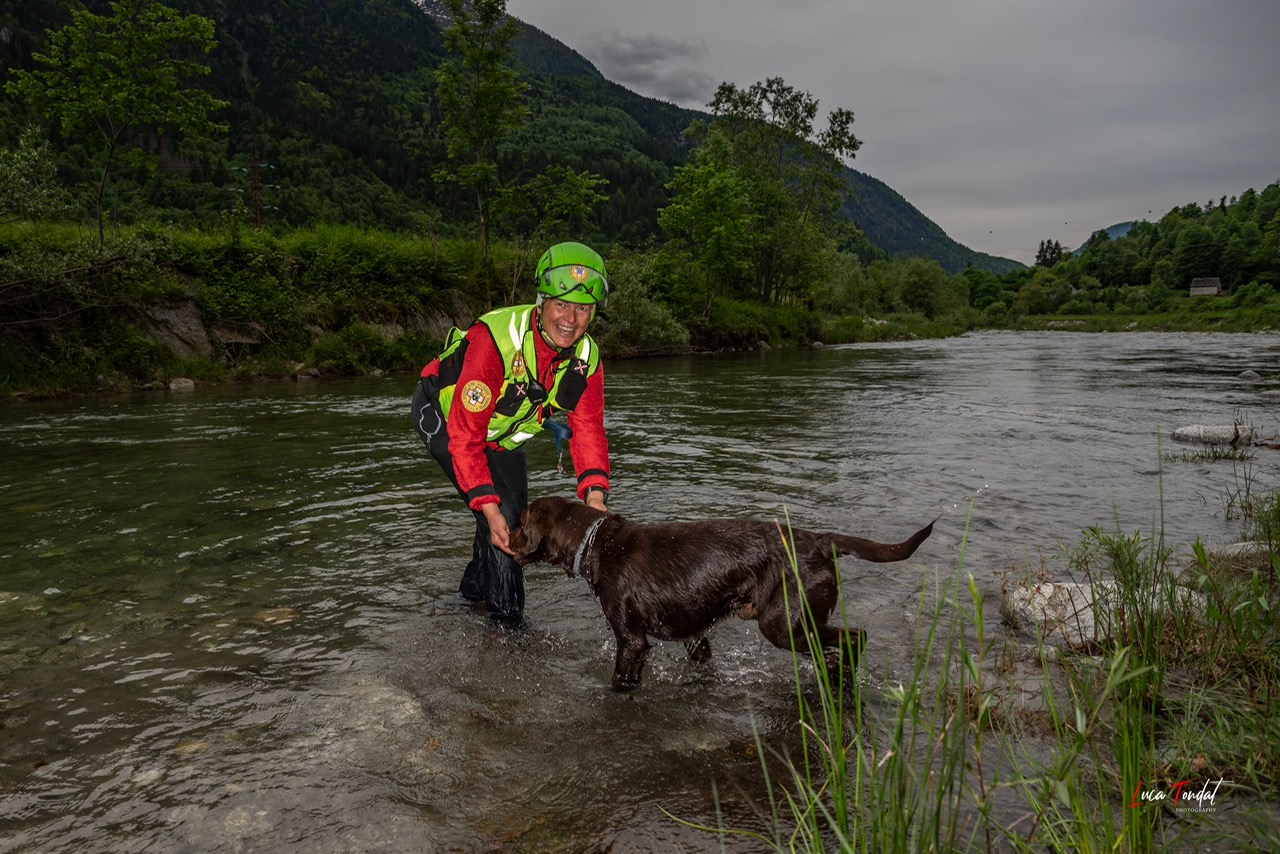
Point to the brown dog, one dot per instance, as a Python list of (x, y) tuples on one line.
[(675, 580)]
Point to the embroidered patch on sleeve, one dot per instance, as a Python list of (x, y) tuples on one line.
[(476, 396)]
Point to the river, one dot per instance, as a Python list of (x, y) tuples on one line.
[(226, 620)]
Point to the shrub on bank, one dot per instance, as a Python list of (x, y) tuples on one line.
[(638, 325), (73, 318), (900, 326), (744, 325)]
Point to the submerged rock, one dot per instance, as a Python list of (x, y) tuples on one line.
[(281, 614)]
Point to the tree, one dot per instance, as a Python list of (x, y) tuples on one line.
[(846, 291), (483, 101), (1110, 261), (110, 80), (922, 286), (1195, 255), (710, 220), (794, 176), (28, 180), (1043, 293), (1269, 252), (1049, 253), (984, 288), (1236, 264)]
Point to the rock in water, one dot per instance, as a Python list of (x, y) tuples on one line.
[(1229, 434)]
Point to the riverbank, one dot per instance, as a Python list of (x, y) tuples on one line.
[(364, 352)]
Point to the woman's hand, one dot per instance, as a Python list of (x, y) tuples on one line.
[(499, 533), (595, 498)]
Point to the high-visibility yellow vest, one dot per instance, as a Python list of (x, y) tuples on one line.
[(523, 403)]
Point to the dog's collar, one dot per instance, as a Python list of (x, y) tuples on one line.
[(586, 544)]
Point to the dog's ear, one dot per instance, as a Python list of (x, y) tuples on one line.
[(532, 536), (527, 539)]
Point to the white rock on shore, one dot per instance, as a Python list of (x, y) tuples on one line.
[(1064, 613), (1057, 612), (1229, 434)]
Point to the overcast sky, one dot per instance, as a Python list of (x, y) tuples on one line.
[(1004, 121)]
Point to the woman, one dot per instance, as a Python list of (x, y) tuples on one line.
[(493, 389)]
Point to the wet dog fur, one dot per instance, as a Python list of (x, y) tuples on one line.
[(675, 580)]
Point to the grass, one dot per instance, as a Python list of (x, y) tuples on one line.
[(1210, 454), (1180, 685), (1181, 315)]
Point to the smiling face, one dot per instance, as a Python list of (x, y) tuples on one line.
[(563, 323)]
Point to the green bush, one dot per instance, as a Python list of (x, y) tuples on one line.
[(845, 330), (333, 354), (241, 285), (1253, 295), (348, 262), (635, 322), (745, 325), (361, 347), (133, 354)]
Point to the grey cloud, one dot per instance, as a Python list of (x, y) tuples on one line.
[(1000, 121), (661, 67)]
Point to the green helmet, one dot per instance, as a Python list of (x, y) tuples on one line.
[(574, 273)]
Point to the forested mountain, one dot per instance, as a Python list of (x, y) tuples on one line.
[(896, 226), (1113, 232), (333, 118)]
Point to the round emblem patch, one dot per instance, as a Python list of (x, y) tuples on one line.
[(578, 272), (476, 396)]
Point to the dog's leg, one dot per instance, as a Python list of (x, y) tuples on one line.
[(828, 638), (817, 640), (699, 650), (633, 649), (842, 648)]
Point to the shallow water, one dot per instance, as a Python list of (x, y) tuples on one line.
[(226, 619)]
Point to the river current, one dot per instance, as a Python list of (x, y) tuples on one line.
[(227, 621)]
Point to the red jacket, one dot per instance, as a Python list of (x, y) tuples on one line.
[(588, 447)]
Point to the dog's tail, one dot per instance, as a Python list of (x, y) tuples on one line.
[(881, 552)]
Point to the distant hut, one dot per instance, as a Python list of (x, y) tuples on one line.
[(1210, 287)]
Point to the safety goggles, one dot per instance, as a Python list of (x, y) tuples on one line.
[(560, 282)]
